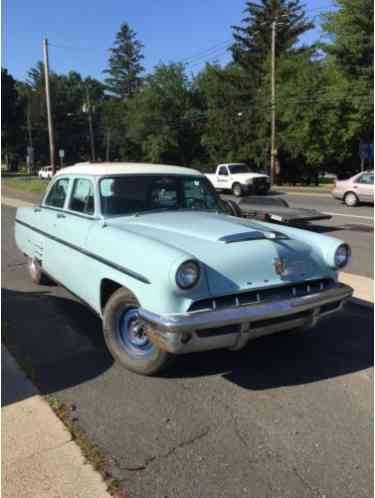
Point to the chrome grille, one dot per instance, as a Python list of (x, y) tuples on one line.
[(265, 295)]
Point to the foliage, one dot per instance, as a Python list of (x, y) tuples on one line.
[(252, 40), (12, 117), (125, 65), (351, 52), (161, 117)]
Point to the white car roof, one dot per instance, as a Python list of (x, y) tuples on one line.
[(103, 169)]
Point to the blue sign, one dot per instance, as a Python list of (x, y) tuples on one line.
[(366, 151)]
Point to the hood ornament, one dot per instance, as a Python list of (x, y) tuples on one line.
[(280, 266)]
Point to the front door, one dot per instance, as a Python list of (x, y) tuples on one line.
[(223, 181), (71, 229)]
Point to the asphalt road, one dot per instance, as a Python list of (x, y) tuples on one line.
[(353, 225), (290, 416)]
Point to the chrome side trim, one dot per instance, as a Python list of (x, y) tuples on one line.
[(115, 266)]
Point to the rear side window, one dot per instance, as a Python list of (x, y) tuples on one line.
[(367, 178), (57, 195), (82, 198)]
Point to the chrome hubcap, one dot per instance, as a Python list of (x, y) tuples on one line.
[(350, 199), (132, 335)]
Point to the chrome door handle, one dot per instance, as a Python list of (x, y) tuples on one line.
[(60, 215)]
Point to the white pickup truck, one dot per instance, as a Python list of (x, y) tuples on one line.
[(239, 178)]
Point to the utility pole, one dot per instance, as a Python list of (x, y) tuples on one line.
[(49, 112), (30, 148), (273, 104), (91, 131)]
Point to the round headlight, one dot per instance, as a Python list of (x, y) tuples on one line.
[(342, 256), (187, 274)]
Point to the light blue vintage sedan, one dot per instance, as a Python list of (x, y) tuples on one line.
[(161, 259)]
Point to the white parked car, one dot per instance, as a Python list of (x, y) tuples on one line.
[(358, 188), (240, 179), (45, 172)]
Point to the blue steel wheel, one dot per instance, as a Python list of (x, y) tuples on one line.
[(126, 336), (132, 335)]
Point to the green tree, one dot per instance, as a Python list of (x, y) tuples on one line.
[(252, 40), (68, 97), (161, 117), (351, 53), (125, 64), (12, 117)]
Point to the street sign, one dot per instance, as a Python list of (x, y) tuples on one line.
[(61, 153), (366, 151), (371, 152)]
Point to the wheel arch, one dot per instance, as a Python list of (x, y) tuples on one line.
[(107, 288)]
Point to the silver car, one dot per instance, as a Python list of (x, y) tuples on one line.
[(358, 188)]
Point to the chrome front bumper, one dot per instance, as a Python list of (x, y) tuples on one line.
[(233, 327)]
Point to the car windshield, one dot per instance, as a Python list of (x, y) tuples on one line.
[(239, 168), (130, 194)]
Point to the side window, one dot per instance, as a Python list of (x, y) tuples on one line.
[(366, 178), (223, 171), (82, 198), (57, 195)]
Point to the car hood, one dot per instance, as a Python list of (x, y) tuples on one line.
[(233, 252)]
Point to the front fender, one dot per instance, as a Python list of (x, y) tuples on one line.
[(143, 265)]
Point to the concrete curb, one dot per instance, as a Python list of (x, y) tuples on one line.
[(39, 457), (363, 288)]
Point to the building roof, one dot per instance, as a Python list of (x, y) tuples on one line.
[(103, 169)]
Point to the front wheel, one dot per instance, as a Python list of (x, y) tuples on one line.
[(237, 189), (126, 336), (351, 199)]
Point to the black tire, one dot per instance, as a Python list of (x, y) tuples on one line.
[(234, 208), (237, 189), (36, 272), (118, 303), (351, 199)]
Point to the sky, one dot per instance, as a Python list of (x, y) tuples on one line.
[(80, 32)]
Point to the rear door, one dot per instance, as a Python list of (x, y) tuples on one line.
[(52, 210)]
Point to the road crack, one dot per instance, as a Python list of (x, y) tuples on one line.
[(314, 491), (183, 444)]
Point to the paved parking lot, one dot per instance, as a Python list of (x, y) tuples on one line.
[(290, 416)]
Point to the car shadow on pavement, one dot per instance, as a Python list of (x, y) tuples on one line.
[(339, 345), (57, 341)]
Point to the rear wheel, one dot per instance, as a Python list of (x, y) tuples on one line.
[(237, 189), (126, 336), (351, 199)]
